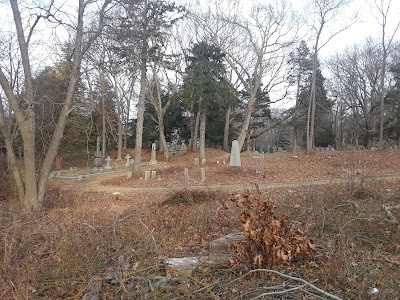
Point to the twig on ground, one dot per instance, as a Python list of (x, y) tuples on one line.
[(280, 292), (306, 283), (150, 233), (391, 217), (120, 220)]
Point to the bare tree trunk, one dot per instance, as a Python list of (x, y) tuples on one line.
[(246, 122), (203, 118), (295, 132), (103, 109), (196, 131), (120, 129), (163, 141), (312, 104), (140, 113), (13, 162), (225, 145), (192, 125), (382, 94), (248, 142)]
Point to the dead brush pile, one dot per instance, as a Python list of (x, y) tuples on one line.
[(271, 240)]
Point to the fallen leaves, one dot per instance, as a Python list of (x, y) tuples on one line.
[(271, 240)]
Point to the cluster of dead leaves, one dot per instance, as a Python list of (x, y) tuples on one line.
[(271, 240)]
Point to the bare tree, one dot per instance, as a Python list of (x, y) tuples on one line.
[(32, 188), (355, 81), (155, 98), (383, 8), (255, 46), (322, 12)]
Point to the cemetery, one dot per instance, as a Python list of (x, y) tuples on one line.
[(181, 219), (222, 150)]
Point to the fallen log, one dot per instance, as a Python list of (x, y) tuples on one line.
[(226, 241), (187, 265)]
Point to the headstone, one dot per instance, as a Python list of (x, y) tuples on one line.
[(71, 168), (98, 152), (108, 160), (97, 163), (153, 159), (196, 161), (203, 161), (128, 162), (259, 170), (256, 155), (186, 175), (234, 161), (270, 149), (203, 175), (153, 174), (146, 175)]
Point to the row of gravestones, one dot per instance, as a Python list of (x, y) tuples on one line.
[(177, 149)]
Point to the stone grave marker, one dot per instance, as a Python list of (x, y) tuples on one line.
[(257, 156), (108, 160), (153, 159), (270, 149), (153, 174), (146, 175), (196, 161), (186, 175), (128, 162), (234, 161), (203, 175), (97, 155)]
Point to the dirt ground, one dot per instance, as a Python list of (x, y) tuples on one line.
[(276, 169)]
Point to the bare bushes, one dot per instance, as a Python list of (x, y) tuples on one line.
[(271, 240), (6, 182)]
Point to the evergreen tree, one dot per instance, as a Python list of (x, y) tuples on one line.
[(301, 61), (205, 84), (392, 100)]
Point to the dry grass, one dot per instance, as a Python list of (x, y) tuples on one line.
[(55, 254)]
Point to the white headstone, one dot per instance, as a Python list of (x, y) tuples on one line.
[(196, 161), (234, 161), (146, 175), (153, 174), (203, 175), (128, 163), (98, 152), (153, 159), (108, 160), (186, 175)]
